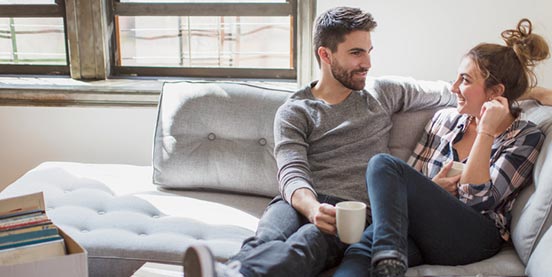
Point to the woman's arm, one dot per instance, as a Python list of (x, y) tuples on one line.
[(507, 170)]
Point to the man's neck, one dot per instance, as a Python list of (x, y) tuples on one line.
[(330, 91)]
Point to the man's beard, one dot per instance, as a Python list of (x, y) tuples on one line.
[(346, 78)]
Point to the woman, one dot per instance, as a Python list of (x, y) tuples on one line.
[(465, 218)]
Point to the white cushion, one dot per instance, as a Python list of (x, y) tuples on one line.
[(540, 263)]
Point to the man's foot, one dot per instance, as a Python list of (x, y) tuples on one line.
[(199, 262), (389, 268)]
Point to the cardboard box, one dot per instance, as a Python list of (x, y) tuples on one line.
[(74, 264)]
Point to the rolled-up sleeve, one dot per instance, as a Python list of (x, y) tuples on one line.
[(511, 168)]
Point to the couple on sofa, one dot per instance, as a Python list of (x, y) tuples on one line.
[(326, 133)]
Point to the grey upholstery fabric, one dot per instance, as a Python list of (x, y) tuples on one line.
[(217, 136), (540, 263), (406, 132)]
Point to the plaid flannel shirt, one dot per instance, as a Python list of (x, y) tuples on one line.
[(513, 156)]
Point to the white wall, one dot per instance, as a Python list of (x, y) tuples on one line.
[(31, 135), (420, 38), (426, 39)]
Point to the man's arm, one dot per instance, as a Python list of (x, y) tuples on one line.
[(295, 182), (542, 95), (400, 94)]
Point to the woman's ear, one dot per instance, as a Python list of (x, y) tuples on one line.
[(497, 90)]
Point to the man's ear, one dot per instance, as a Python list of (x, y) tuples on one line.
[(324, 54)]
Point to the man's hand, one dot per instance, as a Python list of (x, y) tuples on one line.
[(447, 183), (320, 214), (323, 216)]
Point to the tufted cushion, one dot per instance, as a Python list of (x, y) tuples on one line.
[(531, 215), (118, 216), (217, 136)]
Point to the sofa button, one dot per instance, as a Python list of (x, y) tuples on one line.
[(262, 141), (84, 231), (155, 216), (211, 136), (101, 212)]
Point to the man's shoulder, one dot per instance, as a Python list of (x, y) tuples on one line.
[(300, 98)]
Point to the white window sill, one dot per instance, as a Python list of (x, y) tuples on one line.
[(64, 91)]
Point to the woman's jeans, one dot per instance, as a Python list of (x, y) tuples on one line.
[(416, 221), (286, 244)]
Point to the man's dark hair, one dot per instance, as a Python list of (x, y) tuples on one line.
[(332, 26)]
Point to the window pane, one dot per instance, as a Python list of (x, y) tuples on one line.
[(246, 42), (27, 2), (32, 41)]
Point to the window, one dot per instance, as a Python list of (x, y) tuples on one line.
[(205, 39), (24, 24), (184, 38)]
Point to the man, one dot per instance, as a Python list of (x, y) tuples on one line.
[(324, 137)]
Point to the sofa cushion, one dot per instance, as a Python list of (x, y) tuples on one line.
[(531, 215), (539, 263), (217, 136), (407, 129)]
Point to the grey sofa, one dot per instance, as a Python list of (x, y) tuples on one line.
[(212, 175)]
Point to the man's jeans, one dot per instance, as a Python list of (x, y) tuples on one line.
[(286, 244), (417, 221)]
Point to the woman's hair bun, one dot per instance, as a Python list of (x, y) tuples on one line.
[(530, 48)]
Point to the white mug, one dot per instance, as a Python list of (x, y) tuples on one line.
[(350, 220), (456, 169)]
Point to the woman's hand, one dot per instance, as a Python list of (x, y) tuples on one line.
[(447, 183), (493, 114)]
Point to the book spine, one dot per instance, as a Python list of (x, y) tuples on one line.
[(31, 241), (29, 222), (26, 229), (28, 235)]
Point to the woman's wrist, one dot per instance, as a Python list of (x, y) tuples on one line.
[(486, 133)]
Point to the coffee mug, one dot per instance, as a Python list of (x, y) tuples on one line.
[(350, 220), (457, 168)]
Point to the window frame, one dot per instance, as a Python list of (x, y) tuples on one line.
[(288, 8), (89, 39), (55, 10)]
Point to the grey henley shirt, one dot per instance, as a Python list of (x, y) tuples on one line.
[(326, 148)]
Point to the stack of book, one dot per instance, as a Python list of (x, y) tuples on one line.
[(26, 232)]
